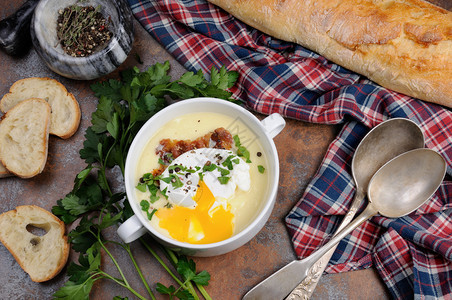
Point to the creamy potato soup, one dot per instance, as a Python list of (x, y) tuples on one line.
[(206, 194)]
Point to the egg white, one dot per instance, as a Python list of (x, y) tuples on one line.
[(194, 161)]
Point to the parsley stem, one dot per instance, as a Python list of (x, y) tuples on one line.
[(123, 284), (172, 256), (127, 248), (157, 257), (113, 260), (191, 289), (203, 291), (122, 145), (104, 177)]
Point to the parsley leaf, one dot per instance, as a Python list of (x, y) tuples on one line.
[(172, 292), (109, 89), (102, 115), (187, 268), (73, 290)]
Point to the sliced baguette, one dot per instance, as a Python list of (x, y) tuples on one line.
[(42, 257), (24, 136), (4, 172), (65, 109)]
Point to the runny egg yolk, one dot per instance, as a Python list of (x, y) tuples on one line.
[(199, 225)]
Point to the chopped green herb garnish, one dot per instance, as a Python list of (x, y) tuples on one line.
[(145, 207), (177, 168), (151, 214), (150, 182), (261, 169), (223, 172), (166, 179), (209, 167), (229, 161), (236, 140), (165, 190), (241, 150), (174, 180), (141, 187), (154, 198), (224, 179)]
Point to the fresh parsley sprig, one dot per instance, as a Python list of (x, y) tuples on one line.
[(123, 107)]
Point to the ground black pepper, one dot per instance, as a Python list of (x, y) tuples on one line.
[(82, 30)]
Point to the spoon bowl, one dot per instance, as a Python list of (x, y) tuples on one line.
[(402, 185), (381, 144)]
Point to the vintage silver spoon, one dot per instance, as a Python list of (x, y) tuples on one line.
[(399, 187), (381, 144)]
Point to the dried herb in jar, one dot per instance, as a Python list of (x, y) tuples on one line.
[(82, 30)]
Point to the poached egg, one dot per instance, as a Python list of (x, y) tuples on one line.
[(198, 185)]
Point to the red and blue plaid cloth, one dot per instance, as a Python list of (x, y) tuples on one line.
[(412, 254)]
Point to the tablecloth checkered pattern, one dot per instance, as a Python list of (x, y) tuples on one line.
[(412, 254)]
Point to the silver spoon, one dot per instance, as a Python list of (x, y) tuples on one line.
[(384, 142), (399, 187)]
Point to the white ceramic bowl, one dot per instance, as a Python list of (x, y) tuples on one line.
[(265, 130), (44, 38)]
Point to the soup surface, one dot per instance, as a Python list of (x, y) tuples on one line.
[(204, 195)]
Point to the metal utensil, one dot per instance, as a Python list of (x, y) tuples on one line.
[(399, 187), (384, 142)]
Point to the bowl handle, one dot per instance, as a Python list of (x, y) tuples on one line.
[(131, 229), (273, 124)]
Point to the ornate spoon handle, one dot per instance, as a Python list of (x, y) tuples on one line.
[(306, 288)]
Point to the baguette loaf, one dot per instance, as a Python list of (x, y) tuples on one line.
[(403, 45), (24, 136), (65, 109), (42, 257)]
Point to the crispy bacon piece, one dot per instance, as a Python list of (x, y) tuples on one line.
[(220, 138)]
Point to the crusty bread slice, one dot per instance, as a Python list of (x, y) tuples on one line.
[(4, 172), (65, 109), (24, 137), (42, 257)]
